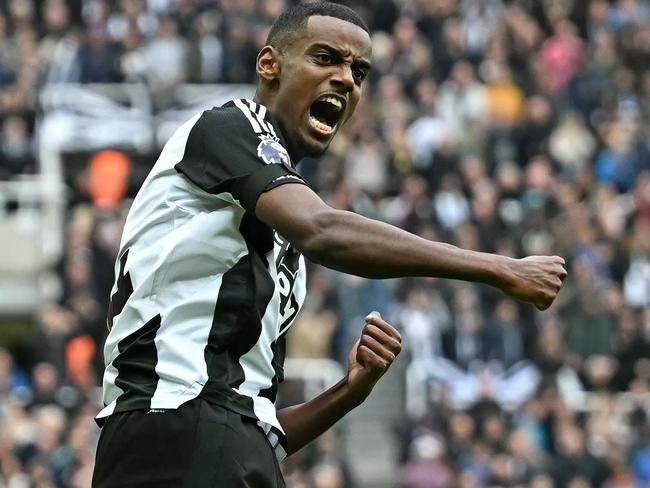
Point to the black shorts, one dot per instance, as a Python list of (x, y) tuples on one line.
[(199, 445)]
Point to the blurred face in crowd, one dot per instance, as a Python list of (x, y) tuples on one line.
[(56, 15), (313, 86), (21, 10)]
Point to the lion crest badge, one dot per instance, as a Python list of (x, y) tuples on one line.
[(271, 151)]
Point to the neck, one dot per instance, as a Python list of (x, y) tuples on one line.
[(268, 100)]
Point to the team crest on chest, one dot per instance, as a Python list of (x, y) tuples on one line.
[(271, 151)]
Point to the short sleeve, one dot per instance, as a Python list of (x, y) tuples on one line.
[(235, 149)]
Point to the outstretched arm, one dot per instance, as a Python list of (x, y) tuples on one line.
[(369, 359), (357, 245)]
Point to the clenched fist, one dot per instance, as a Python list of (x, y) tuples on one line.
[(372, 355), (534, 279)]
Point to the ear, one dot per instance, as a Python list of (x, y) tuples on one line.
[(268, 63)]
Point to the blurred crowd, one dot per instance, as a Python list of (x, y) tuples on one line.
[(511, 126)]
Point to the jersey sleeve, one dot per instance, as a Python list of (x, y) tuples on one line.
[(228, 151)]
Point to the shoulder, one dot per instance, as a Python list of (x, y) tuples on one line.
[(244, 116), (243, 125)]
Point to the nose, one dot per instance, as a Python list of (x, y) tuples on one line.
[(343, 77)]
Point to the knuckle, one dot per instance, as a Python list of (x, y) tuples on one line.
[(376, 364), (372, 328)]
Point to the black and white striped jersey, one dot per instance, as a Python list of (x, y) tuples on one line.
[(204, 291)]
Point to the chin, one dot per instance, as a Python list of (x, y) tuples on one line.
[(315, 152), (311, 149)]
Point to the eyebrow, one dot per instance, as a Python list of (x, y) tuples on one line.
[(361, 62)]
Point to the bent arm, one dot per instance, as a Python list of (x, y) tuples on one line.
[(368, 361), (304, 422)]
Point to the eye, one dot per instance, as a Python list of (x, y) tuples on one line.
[(359, 74), (324, 58)]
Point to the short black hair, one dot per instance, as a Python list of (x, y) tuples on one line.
[(294, 19)]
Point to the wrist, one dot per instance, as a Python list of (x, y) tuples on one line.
[(501, 272), (352, 392)]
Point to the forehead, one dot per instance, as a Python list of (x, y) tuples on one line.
[(340, 34)]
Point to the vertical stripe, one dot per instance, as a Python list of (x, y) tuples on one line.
[(256, 362), (279, 351), (249, 115), (237, 330), (234, 329), (122, 293), (136, 366)]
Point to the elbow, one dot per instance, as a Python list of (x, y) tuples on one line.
[(319, 243)]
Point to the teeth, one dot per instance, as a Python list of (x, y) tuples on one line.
[(334, 101), (320, 125)]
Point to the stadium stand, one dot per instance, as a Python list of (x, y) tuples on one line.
[(510, 126)]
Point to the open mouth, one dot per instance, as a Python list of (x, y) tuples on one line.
[(325, 113)]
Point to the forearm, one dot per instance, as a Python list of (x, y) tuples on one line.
[(303, 423), (354, 244)]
